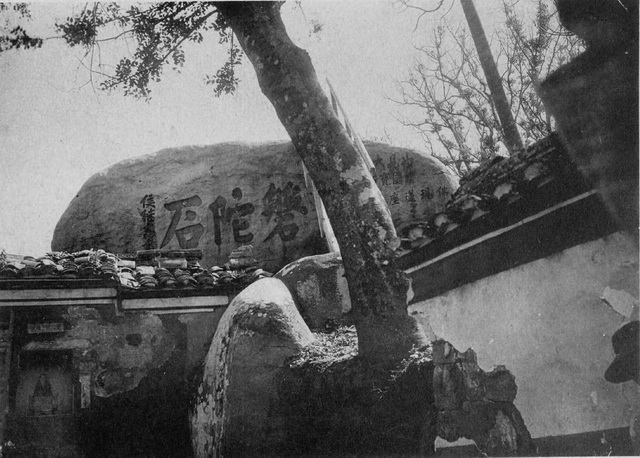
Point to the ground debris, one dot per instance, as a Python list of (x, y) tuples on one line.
[(334, 402), (328, 348)]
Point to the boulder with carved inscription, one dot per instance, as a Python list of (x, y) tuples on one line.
[(220, 197)]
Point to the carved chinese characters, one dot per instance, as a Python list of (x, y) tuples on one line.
[(216, 198), (279, 208), (279, 205), (189, 235), (413, 192)]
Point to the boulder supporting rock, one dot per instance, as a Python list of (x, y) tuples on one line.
[(319, 290), (235, 412)]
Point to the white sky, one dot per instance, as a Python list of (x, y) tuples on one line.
[(56, 131)]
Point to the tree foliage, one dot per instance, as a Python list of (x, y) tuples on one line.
[(159, 31), (156, 34), (446, 99), (13, 35)]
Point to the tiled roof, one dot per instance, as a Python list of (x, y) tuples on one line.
[(148, 271), (497, 193)]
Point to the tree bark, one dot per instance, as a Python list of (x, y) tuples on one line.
[(509, 126), (357, 211)]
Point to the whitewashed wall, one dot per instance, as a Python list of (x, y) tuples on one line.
[(547, 323)]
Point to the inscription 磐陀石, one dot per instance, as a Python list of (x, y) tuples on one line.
[(279, 205)]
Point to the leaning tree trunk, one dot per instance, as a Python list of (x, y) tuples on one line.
[(357, 211)]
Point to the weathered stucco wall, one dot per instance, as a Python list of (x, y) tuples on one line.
[(547, 323), (115, 353), (122, 382)]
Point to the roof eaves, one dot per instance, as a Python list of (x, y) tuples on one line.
[(495, 195)]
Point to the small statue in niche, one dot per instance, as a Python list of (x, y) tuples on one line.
[(43, 401)]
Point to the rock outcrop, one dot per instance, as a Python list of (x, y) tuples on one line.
[(477, 405), (216, 198)]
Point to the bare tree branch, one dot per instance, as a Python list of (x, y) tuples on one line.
[(446, 100), (408, 5)]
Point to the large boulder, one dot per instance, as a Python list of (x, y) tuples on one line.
[(215, 198), (236, 410)]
